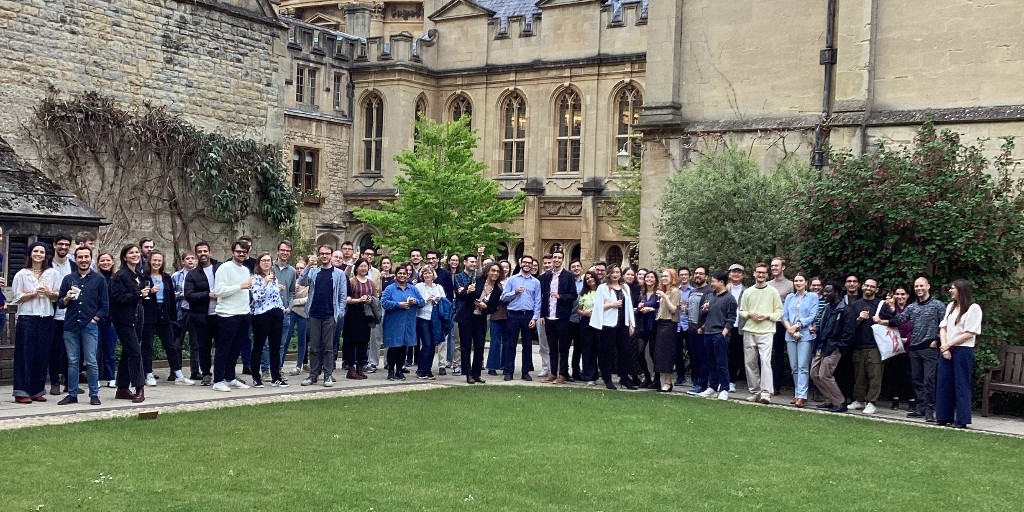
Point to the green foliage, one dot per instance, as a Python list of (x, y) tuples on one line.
[(627, 221), (444, 201), (937, 206), (724, 209)]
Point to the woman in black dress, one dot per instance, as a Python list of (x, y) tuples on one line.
[(356, 331)]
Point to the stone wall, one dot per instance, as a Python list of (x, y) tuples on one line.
[(747, 72), (216, 63)]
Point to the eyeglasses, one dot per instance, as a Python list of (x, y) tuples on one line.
[(241, 251), (325, 254)]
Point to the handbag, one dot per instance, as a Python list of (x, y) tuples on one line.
[(373, 312), (887, 339)]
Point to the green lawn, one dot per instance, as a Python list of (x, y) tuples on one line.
[(506, 448)]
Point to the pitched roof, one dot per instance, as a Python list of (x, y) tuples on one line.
[(504, 9), (25, 192)]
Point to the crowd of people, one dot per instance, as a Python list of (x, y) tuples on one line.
[(652, 330)]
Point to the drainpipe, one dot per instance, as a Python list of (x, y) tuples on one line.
[(827, 58)]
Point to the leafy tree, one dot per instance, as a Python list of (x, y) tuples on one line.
[(444, 201), (725, 209), (627, 221), (938, 207)]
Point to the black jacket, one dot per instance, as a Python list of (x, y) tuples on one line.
[(566, 289), (857, 333), (830, 333), (153, 313), (197, 292), (125, 295), (464, 312)]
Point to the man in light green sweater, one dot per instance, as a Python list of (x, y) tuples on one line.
[(760, 308)]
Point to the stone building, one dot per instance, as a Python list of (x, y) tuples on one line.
[(215, 62), (767, 75), (553, 87)]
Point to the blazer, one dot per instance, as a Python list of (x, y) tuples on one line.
[(602, 317), (150, 307), (125, 295), (197, 293), (566, 289), (468, 300)]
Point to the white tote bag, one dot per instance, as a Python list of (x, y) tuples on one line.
[(887, 339)]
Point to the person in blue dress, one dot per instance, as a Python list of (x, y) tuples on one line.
[(400, 301)]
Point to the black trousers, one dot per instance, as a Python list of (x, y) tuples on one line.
[(202, 333), (395, 358), (181, 328), (232, 333), (844, 372), (681, 348), (558, 345), (267, 326), (589, 343), (169, 342), (129, 367), (781, 373), (612, 342), (737, 369), (472, 334), (58, 355), (577, 355)]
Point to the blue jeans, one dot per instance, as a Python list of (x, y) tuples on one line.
[(953, 387), (286, 336), (497, 338), (82, 345), (107, 347), (425, 331), (299, 323), (800, 362), (717, 361)]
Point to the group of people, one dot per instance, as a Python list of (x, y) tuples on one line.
[(639, 325)]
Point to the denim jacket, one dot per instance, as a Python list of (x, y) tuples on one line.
[(801, 309)]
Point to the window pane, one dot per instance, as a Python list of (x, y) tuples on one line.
[(508, 157), (520, 158), (296, 168), (368, 120), (379, 120), (575, 166), (299, 84), (563, 117), (378, 150), (562, 156), (367, 154), (312, 86)]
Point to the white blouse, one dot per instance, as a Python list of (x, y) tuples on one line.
[(427, 292), (602, 317), (25, 283), (969, 322)]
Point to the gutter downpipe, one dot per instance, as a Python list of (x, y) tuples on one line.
[(827, 58)]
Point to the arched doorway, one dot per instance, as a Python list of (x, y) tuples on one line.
[(574, 253), (366, 242)]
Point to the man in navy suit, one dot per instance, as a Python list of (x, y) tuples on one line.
[(558, 293)]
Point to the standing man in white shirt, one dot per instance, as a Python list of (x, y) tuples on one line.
[(58, 354), (233, 317), (736, 366)]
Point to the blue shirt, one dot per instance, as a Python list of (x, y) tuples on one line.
[(529, 300), (320, 305), (93, 300), (684, 320)]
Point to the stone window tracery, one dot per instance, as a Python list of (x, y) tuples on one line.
[(570, 126), (629, 101), (513, 135), (373, 134)]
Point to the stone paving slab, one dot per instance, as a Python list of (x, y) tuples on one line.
[(168, 398)]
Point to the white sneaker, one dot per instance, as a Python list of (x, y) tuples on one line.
[(328, 382), (308, 382), (150, 380), (724, 395), (756, 397), (869, 408), (543, 373), (221, 386), (296, 371), (707, 393), (112, 384), (732, 387), (855, 406), (184, 381), (237, 384)]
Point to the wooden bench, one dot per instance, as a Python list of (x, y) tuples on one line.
[(1008, 376)]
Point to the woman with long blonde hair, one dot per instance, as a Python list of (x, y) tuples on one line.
[(665, 323)]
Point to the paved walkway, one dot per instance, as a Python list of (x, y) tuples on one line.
[(166, 397)]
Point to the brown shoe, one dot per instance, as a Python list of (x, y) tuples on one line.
[(140, 395), (123, 394), (560, 380), (549, 379), (799, 403), (351, 373), (360, 374)]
